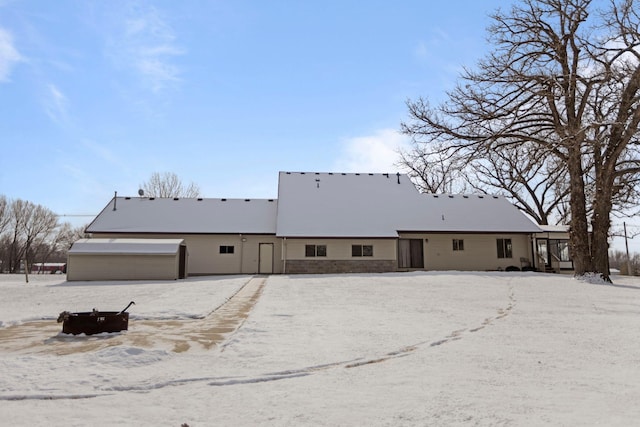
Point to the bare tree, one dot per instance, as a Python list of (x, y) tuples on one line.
[(167, 184), (56, 247), (4, 214), (521, 173), (436, 169), (563, 80), (28, 229), (534, 182)]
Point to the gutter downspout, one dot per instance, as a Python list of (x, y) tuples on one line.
[(284, 256), (241, 252)]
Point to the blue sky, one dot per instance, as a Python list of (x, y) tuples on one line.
[(95, 96)]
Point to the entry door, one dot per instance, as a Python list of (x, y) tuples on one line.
[(410, 253), (543, 252), (182, 267), (266, 258)]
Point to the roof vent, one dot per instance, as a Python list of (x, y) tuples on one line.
[(247, 200), (480, 197), (435, 196), (495, 197), (223, 200), (127, 198), (176, 198), (451, 196), (199, 199), (270, 200), (152, 198)]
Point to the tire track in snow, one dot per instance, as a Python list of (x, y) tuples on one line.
[(501, 313), (245, 307), (179, 335)]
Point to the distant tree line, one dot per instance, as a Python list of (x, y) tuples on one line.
[(31, 233), (618, 260)]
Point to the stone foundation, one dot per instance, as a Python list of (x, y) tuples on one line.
[(316, 266)]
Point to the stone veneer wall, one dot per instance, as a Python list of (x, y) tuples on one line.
[(316, 266)]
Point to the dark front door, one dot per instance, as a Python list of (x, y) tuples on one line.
[(182, 267)]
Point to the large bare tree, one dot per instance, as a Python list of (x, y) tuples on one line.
[(167, 184), (563, 77)]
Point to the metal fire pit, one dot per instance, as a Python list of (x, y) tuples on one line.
[(94, 322)]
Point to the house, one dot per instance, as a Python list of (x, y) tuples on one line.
[(331, 223)]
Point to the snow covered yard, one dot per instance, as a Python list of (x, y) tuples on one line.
[(437, 348)]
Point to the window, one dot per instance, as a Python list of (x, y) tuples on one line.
[(505, 249), (361, 250), (560, 249), (226, 249), (458, 245), (315, 250)]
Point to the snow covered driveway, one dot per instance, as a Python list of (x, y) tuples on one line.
[(438, 348)]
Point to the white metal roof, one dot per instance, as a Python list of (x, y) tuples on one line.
[(126, 246), (319, 205), (167, 215), (380, 205), (477, 213)]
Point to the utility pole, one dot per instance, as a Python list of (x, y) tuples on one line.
[(626, 244)]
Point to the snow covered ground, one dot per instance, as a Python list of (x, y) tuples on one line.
[(436, 348)]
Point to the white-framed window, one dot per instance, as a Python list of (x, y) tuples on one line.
[(458, 244), (225, 249)]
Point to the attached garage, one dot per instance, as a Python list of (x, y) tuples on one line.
[(127, 259)]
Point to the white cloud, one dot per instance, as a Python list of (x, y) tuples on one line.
[(147, 45), (372, 153), (56, 104), (9, 55)]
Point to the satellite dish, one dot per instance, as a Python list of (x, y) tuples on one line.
[(141, 192)]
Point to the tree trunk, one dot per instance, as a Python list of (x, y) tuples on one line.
[(601, 220), (600, 245), (579, 233)]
